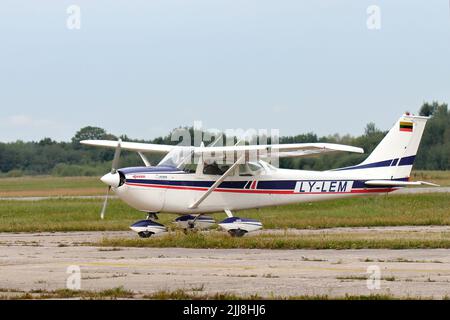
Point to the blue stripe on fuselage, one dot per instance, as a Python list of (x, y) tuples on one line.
[(406, 161), (262, 184), (157, 169)]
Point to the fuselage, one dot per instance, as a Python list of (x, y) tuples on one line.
[(170, 190)]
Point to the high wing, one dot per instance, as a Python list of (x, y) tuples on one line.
[(284, 149), (263, 151), (131, 146)]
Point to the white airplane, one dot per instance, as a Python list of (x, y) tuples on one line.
[(176, 185)]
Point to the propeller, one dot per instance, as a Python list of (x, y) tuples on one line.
[(105, 203), (112, 179)]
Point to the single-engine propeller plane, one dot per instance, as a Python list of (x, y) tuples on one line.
[(246, 180)]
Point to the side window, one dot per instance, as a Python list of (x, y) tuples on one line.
[(249, 169), (190, 168), (215, 169)]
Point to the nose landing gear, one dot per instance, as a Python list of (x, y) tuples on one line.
[(148, 227)]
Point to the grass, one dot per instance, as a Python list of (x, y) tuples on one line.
[(363, 277), (83, 186), (392, 210), (179, 294), (83, 214), (37, 186), (440, 177), (114, 293), (403, 260), (216, 240)]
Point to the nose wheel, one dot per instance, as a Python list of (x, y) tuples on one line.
[(237, 233), (145, 234), (148, 227)]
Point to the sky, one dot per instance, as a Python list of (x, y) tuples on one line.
[(142, 68)]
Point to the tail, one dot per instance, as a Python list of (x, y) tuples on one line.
[(394, 156)]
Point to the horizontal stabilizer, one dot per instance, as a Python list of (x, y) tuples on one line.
[(394, 183)]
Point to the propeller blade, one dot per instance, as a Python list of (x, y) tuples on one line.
[(102, 214), (115, 163)]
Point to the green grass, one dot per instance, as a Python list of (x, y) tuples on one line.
[(50, 186), (216, 240), (392, 210), (439, 177), (114, 293), (65, 215), (83, 214), (59, 186), (179, 294)]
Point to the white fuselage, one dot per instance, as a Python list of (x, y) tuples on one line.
[(174, 191)]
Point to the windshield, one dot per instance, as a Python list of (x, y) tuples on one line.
[(178, 157)]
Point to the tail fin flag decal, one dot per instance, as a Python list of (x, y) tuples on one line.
[(406, 126)]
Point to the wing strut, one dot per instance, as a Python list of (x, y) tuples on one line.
[(216, 184), (144, 159)]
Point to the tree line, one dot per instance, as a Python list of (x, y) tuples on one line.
[(73, 159)]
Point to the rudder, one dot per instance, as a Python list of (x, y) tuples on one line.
[(394, 156)]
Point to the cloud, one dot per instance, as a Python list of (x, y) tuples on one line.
[(26, 127), (22, 120)]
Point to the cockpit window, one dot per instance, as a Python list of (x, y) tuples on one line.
[(182, 159), (214, 168), (178, 158), (250, 169)]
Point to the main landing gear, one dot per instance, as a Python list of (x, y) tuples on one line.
[(238, 227), (235, 226)]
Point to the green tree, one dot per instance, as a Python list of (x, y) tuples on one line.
[(89, 133), (428, 109)]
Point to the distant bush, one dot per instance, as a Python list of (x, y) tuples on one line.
[(74, 159), (15, 173)]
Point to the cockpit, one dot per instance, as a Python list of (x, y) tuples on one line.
[(184, 159)]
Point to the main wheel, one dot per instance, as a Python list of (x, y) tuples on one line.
[(145, 234), (237, 232)]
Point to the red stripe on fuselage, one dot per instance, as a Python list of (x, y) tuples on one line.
[(372, 190)]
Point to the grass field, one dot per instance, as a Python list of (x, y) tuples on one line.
[(85, 186), (83, 214), (216, 240), (439, 177), (180, 294), (43, 186)]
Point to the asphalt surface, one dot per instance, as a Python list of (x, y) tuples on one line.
[(32, 261)]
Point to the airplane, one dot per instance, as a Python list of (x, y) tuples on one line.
[(194, 189)]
